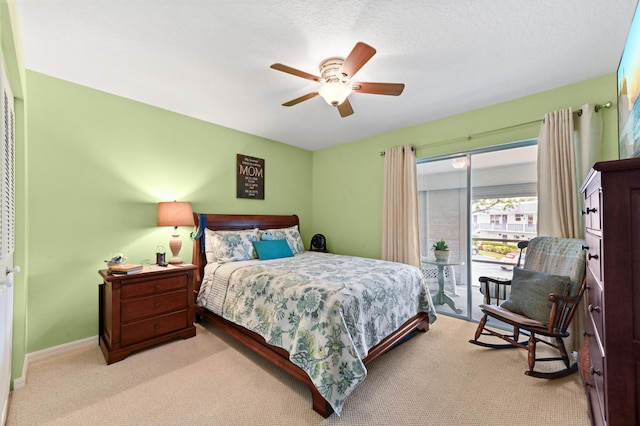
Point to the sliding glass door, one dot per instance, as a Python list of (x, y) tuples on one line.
[(481, 204), (443, 206)]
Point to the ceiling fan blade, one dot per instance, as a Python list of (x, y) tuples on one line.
[(300, 99), (297, 73), (345, 108), (393, 89), (359, 56)]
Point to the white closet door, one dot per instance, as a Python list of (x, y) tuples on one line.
[(7, 221)]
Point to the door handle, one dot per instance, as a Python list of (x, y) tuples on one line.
[(8, 282)]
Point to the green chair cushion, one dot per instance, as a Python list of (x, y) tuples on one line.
[(530, 292)]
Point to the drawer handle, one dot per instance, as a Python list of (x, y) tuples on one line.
[(156, 326), (593, 256), (157, 287), (593, 371), (156, 305), (593, 210), (585, 247), (594, 308)]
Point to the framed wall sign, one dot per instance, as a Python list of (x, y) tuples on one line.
[(250, 178)]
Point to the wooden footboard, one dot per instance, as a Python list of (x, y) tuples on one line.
[(280, 358)]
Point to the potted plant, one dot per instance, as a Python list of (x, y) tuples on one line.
[(441, 251)]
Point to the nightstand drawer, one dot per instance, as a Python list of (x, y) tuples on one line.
[(148, 329), (161, 285), (133, 309)]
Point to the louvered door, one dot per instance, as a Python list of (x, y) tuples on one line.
[(7, 221)]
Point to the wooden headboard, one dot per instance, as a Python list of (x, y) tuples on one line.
[(227, 222)]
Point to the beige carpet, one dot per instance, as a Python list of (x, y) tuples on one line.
[(437, 378)]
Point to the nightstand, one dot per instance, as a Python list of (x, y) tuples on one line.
[(144, 309)]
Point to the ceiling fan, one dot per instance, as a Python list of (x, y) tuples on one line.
[(336, 74)]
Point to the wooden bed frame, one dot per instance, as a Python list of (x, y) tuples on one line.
[(255, 342)]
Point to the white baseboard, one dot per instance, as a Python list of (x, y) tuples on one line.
[(20, 382)]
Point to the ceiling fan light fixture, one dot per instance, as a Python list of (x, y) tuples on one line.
[(336, 79), (335, 92), (459, 162)]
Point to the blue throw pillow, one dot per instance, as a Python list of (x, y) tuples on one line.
[(272, 249)]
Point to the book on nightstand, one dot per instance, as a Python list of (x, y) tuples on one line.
[(125, 269)]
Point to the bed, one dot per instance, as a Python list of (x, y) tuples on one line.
[(296, 310)]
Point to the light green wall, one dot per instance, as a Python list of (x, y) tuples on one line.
[(99, 164), (348, 179)]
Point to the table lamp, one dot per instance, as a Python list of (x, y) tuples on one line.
[(175, 213)]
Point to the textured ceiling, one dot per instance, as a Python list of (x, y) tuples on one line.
[(210, 59)]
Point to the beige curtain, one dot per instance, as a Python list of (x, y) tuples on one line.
[(400, 236), (558, 214), (568, 145), (589, 128)]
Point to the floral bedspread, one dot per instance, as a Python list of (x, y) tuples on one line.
[(326, 310)]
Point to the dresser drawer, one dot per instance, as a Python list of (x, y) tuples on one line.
[(596, 379), (147, 329), (160, 285), (132, 309), (593, 219), (593, 204), (595, 306), (594, 255)]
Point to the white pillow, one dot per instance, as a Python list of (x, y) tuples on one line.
[(291, 234), (230, 246), (209, 251)]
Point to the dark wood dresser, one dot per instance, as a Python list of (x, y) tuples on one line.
[(610, 365), (144, 309)]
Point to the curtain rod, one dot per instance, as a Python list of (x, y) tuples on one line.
[(596, 108), (413, 148)]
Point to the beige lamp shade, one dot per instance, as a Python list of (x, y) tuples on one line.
[(175, 213)]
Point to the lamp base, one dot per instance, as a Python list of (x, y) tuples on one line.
[(175, 245)]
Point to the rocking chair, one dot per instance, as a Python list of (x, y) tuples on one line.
[(542, 301)]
